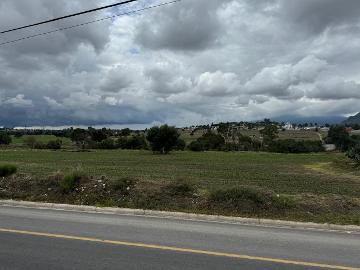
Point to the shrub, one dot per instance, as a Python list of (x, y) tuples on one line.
[(134, 142), (212, 141), (70, 182), (208, 141), (98, 135), (180, 187), (30, 141), (106, 144), (235, 197), (54, 145), (123, 185), (7, 170), (5, 138), (195, 146), (269, 133), (354, 153), (293, 146), (125, 132), (246, 143), (180, 145), (248, 199)]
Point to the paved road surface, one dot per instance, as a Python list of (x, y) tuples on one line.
[(50, 239)]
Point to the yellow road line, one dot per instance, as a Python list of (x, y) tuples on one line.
[(183, 250)]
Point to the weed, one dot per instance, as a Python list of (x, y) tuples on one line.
[(7, 170)]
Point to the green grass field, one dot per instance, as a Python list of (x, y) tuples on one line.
[(288, 134), (283, 173), (188, 138), (39, 138), (322, 187)]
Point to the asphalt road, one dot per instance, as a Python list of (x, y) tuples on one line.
[(50, 239)]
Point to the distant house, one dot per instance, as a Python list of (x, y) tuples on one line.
[(325, 129), (288, 126)]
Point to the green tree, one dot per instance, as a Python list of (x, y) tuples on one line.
[(98, 135), (79, 136), (340, 137), (180, 145), (162, 139), (125, 132), (30, 141), (269, 133), (354, 153), (5, 138), (208, 141)]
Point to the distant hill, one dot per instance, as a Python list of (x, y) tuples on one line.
[(353, 119), (321, 120)]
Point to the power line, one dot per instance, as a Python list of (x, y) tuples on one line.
[(90, 22), (68, 16)]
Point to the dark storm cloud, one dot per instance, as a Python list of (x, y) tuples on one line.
[(192, 26), (191, 62), (317, 15)]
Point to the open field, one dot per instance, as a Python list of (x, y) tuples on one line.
[(301, 135), (283, 173), (39, 138), (288, 134), (325, 187), (188, 138)]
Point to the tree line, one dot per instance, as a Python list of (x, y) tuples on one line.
[(164, 139)]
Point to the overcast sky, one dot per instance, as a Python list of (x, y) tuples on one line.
[(193, 62)]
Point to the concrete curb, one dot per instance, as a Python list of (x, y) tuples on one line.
[(182, 216)]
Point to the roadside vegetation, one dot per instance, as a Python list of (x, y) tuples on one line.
[(7, 170), (306, 187), (222, 170)]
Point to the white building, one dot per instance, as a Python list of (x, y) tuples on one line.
[(289, 126)]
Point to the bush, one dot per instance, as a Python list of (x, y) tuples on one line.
[(5, 138), (212, 141), (123, 185), (246, 143), (248, 199), (106, 144), (30, 141), (180, 187), (293, 146), (7, 170), (135, 142), (235, 197), (125, 132), (354, 153), (195, 146), (208, 141), (180, 145), (70, 182), (54, 145)]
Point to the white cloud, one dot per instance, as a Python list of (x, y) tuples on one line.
[(19, 101), (217, 83), (189, 62)]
